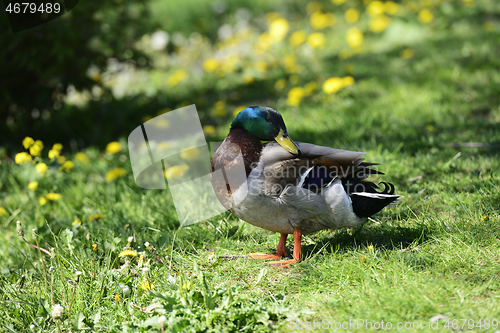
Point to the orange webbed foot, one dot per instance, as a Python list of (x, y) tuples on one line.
[(263, 256), (280, 251), (297, 252), (282, 263)]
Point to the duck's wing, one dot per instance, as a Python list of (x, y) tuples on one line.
[(314, 169)]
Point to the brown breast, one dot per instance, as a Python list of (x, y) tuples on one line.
[(225, 158)]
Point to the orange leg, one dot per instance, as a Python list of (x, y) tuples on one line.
[(280, 251), (297, 251)]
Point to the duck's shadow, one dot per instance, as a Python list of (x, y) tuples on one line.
[(381, 238)]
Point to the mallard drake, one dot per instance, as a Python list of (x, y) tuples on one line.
[(291, 187)]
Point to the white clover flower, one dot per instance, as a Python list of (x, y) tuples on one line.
[(57, 311), (161, 321), (78, 273), (145, 269), (171, 279), (146, 244), (126, 290), (130, 239), (159, 40)]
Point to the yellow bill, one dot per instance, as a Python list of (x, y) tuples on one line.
[(284, 141)]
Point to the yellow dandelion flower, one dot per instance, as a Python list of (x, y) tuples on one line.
[(61, 159), (271, 16), (332, 85), (310, 87), (485, 218), (489, 26), (294, 79), (469, 3), (96, 217), (280, 84), (57, 146), (391, 7), (22, 158), (230, 63), (41, 168), (67, 166), (77, 221), (290, 63), (36, 148), (179, 76), (176, 171), (425, 16), (128, 253), (28, 142), (81, 157), (313, 6), (295, 96), (53, 196), (113, 147), (347, 81), (94, 247), (161, 123), (220, 108), (188, 285), (190, 154), (278, 29), (338, 2), (33, 185), (210, 65), (406, 54), (146, 286), (164, 145), (117, 298), (370, 247), (53, 153), (375, 8), (351, 15), (96, 77), (316, 40), (320, 21), (298, 38), (261, 66), (209, 129), (354, 37), (263, 44), (238, 109), (162, 111), (248, 79), (3, 211), (379, 23), (42, 201), (115, 173)]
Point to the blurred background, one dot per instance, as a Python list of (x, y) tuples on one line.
[(96, 73)]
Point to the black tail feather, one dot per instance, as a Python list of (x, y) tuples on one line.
[(366, 200), (364, 206)]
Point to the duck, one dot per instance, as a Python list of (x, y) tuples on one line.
[(261, 176)]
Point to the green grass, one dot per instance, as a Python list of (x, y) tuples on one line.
[(437, 252)]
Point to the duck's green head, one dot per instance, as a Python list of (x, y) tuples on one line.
[(265, 124)]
